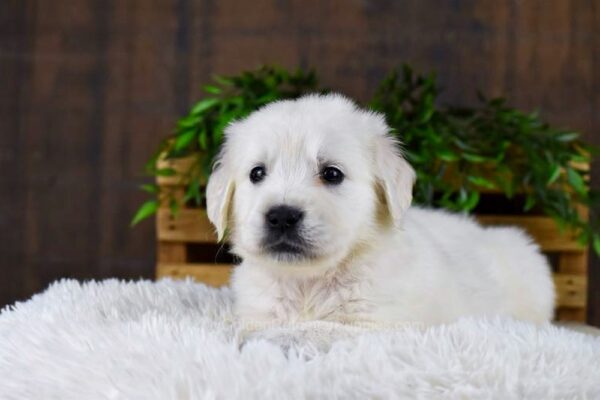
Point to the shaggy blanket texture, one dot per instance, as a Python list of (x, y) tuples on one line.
[(178, 340)]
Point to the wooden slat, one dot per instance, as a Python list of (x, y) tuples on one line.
[(573, 262), (189, 225), (543, 229), (171, 252), (571, 290), (571, 314), (181, 166), (211, 274)]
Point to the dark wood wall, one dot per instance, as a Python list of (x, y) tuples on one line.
[(88, 87)]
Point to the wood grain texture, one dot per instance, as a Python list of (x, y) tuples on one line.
[(171, 252), (571, 290), (189, 225), (89, 87), (210, 274)]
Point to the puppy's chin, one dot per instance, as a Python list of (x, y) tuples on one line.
[(289, 249), (285, 263), (290, 259), (286, 254)]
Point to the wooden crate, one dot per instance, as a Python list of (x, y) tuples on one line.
[(178, 235)]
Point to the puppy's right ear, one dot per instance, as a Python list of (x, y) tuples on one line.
[(395, 175), (219, 194)]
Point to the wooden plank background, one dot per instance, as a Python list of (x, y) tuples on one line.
[(88, 87)]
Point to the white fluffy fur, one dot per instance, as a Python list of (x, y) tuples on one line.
[(178, 340), (373, 260)]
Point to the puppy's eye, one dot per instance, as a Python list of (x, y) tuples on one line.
[(258, 174), (332, 175)]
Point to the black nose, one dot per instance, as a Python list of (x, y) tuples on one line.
[(283, 218)]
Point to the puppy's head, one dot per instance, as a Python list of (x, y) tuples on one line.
[(306, 182)]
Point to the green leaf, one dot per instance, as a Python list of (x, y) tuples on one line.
[(165, 172), (472, 201), (212, 89), (447, 155), (553, 175), (202, 140), (267, 98), (188, 122), (149, 188), (193, 192), (222, 80), (220, 127), (146, 210), (474, 158), (567, 136), (204, 105), (596, 244), (483, 182), (529, 203), (184, 140), (576, 181), (427, 114)]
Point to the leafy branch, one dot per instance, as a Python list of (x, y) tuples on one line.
[(460, 153)]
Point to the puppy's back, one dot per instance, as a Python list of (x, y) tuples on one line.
[(493, 270)]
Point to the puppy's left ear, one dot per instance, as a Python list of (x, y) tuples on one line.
[(219, 194), (395, 175)]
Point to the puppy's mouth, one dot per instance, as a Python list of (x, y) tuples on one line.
[(285, 249)]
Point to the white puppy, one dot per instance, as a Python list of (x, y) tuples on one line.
[(316, 196)]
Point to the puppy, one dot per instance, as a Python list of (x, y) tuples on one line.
[(315, 196)]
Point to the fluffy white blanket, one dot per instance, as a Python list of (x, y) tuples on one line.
[(177, 340)]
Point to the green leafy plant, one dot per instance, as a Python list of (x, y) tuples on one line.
[(458, 152)]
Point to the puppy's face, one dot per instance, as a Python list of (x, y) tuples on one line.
[(306, 182)]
